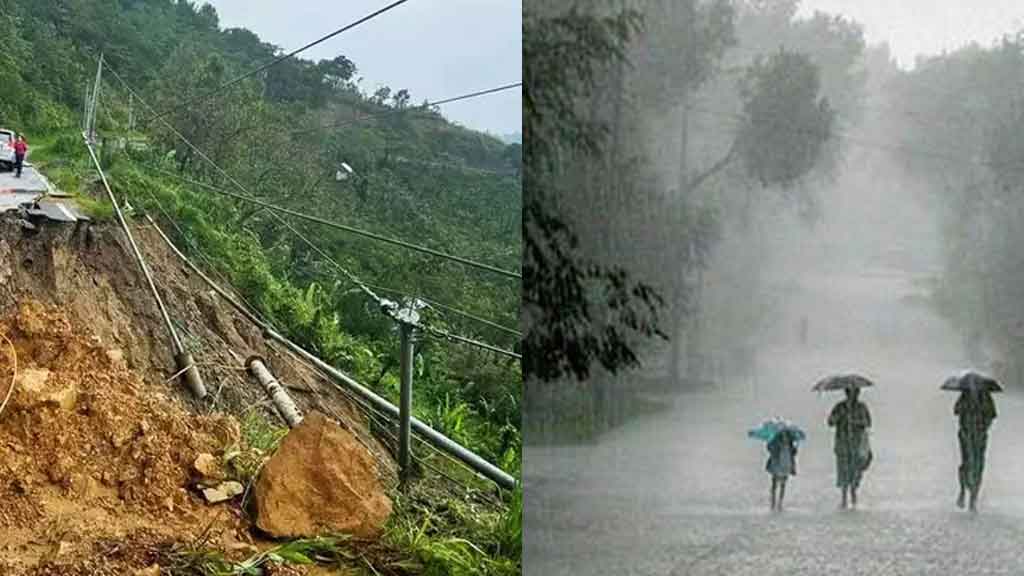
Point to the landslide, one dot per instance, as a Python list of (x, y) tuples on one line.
[(97, 442)]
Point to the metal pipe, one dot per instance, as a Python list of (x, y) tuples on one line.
[(405, 398), (181, 356), (289, 411), (497, 475), (485, 468)]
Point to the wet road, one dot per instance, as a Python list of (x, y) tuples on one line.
[(685, 492)]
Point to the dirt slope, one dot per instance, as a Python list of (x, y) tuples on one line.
[(95, 469)]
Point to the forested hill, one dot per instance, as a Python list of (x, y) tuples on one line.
[(415, 176)]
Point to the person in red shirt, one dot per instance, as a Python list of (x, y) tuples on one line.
[(20, 148)]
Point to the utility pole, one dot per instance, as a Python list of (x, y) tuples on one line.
[(407, 318), (85, 109), (131, 112), (95, 102)]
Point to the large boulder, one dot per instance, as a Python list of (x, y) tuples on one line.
[(320, 480)]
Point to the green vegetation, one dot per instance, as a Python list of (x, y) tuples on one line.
[(654, 135), (959, 128), (417, 177), (464, 391)]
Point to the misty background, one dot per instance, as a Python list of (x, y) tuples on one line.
[(763, 164)]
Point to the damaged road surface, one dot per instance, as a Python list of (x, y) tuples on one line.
[(31, 183), (33, 197)]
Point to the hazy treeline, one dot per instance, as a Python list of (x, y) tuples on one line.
[(713, 121)]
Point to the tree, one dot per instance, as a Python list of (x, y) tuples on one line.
[(575, 311), (400, 100), (786, 122), (687, 42), (337, 72)]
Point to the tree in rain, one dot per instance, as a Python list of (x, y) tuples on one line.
[(576, 311), (784, 126)]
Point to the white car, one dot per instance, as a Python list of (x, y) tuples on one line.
[(7, 148)]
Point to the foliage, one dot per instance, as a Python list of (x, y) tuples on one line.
[(563, 289), (787, 124), (447, 196), (456, 537), (963, 141)]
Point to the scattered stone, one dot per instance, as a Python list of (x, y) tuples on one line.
[(320, 480), (116, 357), (209, 469), (32, 380), (225, 491), (31, 390), (153, 570)]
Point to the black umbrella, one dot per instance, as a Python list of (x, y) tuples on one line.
[(842, 382), (971, 380)]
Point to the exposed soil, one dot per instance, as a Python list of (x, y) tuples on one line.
[(114, 464), (102, 485), (89, 272)]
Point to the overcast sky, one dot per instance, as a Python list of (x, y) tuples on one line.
[(434, 48), (913, 27)]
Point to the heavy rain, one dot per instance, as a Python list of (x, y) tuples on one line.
[(727, 202)]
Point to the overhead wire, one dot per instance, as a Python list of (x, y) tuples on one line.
[(386, 307), (739, 119), (247, 197), (274, 62), (419, 107), (406, 294), (368, 409)]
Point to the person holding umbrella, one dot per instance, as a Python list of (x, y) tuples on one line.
[(781, 439), (851, 419), (975, 410)]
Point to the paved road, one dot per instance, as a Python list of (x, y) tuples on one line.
[(16, 191), (685, 492)]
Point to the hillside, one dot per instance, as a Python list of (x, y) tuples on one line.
[(449, 198), (416, 177)]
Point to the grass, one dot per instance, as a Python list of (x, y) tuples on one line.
[(259, 440), (434, 529), (98, 210), (444, 533), (306, 551)]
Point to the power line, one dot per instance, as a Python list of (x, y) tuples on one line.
[(276, 61), (450, 166), (420, 107), (862, 142), (449, 308), (387, 309), (432, 302), (248, 198)]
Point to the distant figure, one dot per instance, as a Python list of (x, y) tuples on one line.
[(851, 420), (20, 149), (781, 464), (803, 330), (976, 411)]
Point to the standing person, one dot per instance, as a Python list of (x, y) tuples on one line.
[(781, 464), (851, 419), (20, 149), (976, 411)]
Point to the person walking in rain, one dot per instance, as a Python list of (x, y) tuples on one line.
[(781, 464), (851, 419), (976, 411)]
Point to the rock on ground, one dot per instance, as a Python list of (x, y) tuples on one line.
[(321, 479)]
